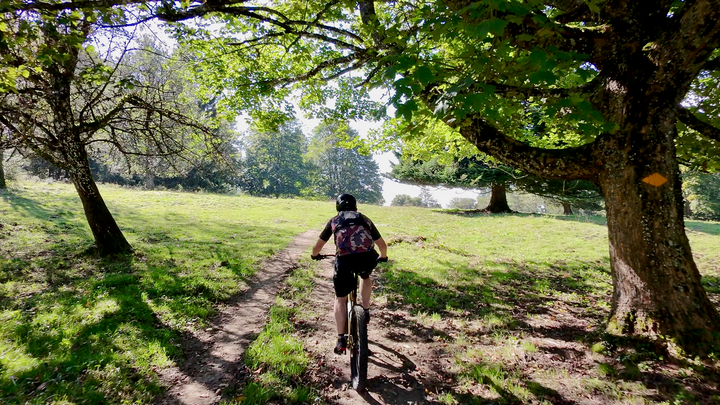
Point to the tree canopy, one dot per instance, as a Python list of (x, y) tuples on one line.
[(273, 164), (338, 168)]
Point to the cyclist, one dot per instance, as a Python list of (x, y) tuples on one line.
[(355, 238)]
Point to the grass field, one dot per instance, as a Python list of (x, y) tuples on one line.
[(77, 329)]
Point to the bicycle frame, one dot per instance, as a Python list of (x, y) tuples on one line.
[(351, 302)]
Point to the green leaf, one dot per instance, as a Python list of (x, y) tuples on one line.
[(406, 110), (496, 26), (592, 5), (476, 101), (424, 75), (542, 77), (405, 62), (390, 72), (525, 37)]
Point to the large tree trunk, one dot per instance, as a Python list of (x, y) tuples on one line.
[(109, 239), (567, 209), (2, 170), (498, 200), (657, 289)]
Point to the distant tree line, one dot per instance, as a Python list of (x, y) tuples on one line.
[(284, 162), (280, 162), (425, 200)]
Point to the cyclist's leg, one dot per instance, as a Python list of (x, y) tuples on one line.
[(344, 282), (366, 266), (365, 291), (341, 314)]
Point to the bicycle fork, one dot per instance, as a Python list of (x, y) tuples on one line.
[(351, 321)]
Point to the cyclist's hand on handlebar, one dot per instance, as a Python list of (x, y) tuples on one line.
[(382, 259)]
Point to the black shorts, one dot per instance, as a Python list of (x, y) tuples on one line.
[(347, 266)]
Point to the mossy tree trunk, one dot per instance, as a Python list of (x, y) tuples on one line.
[(69, 153), (657, 290), (109, 239)]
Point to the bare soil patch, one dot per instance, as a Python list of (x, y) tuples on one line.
[(214, 356)]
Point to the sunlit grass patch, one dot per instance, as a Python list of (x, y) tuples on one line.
[(84, 329), (447, 399), (507, 386), (275, 348), (529, 347)]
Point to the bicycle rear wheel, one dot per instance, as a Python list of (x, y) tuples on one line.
[(359, 354)]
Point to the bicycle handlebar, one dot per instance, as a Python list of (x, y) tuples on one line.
[(321, 256)]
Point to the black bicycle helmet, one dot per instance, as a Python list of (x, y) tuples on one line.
[(345, 202)]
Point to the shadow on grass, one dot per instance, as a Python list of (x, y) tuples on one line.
[(710, 228), (28, 206), (593, 219), (500, 386), (502, 298), (94, 330), (647, 362), (549, 303), (88, 358), (711, 284)]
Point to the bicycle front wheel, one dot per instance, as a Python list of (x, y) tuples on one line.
[(359, 354)]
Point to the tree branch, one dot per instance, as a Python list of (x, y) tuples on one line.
[(251, 12), (68, 5), (562, 164), (572, 10), (42, 152), (569, 39), (359, 59), (704, 128), (501, 88), (91, 127), (690, 40)]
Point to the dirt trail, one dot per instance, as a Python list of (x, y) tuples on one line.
[(402, 363), (214, 356)]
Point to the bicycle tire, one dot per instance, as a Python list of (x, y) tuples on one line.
[(359, 354)]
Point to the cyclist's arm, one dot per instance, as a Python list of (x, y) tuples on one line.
[(318, 246), (382, 247), (322, 240)]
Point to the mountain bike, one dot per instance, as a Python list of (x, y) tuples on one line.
[(357, 343)]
